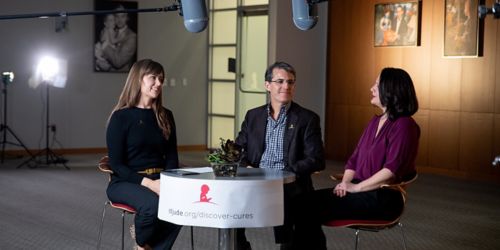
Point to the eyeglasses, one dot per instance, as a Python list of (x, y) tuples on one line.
[(281, 81)]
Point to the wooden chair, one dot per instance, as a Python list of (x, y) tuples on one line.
[(376, 225), (125, 209)]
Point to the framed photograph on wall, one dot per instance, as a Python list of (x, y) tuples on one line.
[(115, 37), (462, 29), (397, 24)]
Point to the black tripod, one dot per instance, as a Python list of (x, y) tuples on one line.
[(48, 156), (4, 128)]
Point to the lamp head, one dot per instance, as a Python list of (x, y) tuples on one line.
[(48, 68), (51, 71), (7, 77)]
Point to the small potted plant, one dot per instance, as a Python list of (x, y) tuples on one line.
[(225, 160)]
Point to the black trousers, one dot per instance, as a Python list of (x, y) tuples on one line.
[(313, 209), (148, 228)]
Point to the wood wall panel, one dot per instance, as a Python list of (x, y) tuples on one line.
[(445, 84), (335, 45), (444, 72), (387, 57), (496, 143), (477, 90), (459, 97), (420, 68), (360, 84), (422, 119), (478, 74), (476, 140), (416, 63), (497, 66), (337, 134), (444, 140)]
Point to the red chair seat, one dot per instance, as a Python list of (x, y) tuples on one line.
[(358, 223), (375, 225), (123, 207)]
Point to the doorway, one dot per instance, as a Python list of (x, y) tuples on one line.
[(238, 52)]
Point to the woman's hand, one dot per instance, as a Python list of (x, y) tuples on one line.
[(154, 185), (345, 187), (340, 190)]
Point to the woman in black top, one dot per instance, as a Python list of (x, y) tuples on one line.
[(141, 142)]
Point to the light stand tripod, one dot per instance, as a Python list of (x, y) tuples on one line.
[(50, 157), (4, 128)]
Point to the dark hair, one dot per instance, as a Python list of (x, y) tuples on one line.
[(278, 65), (397, 93)]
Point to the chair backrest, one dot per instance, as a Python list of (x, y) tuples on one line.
[(104, 165), (401, 186)]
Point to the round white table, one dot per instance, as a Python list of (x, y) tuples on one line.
[(253, 198)]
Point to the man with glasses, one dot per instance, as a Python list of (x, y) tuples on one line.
[(282, 135)]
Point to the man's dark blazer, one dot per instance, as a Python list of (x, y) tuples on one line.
[(303, 146)]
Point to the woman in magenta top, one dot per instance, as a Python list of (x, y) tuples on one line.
[(386, 153)]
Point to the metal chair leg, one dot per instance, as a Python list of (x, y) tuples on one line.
[(192, 238), (99, 237), (357, 240), (123, 229), (102, 224), (402, 235)]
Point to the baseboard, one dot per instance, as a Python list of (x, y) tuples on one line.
[(189, 148), (76, 151), (490, 177)]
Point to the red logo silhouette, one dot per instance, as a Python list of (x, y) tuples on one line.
[(203, 194)]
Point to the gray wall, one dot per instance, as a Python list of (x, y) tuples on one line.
[(81, 109), (305, 50)]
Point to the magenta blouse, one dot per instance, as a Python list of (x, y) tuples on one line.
[(394, 148)]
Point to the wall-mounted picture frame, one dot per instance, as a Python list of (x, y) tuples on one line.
[(462, 29), (397, 24), (115, 37)]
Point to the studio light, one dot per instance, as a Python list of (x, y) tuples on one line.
[(53, 71), (48, 68), (50, 71), (7, 77)]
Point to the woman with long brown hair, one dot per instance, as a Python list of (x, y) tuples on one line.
[(141, 141)]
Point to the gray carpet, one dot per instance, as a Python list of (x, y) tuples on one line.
[(53, 208)]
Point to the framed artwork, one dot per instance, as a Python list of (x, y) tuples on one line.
[(461, 28), (397, 24), (115, 37)]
